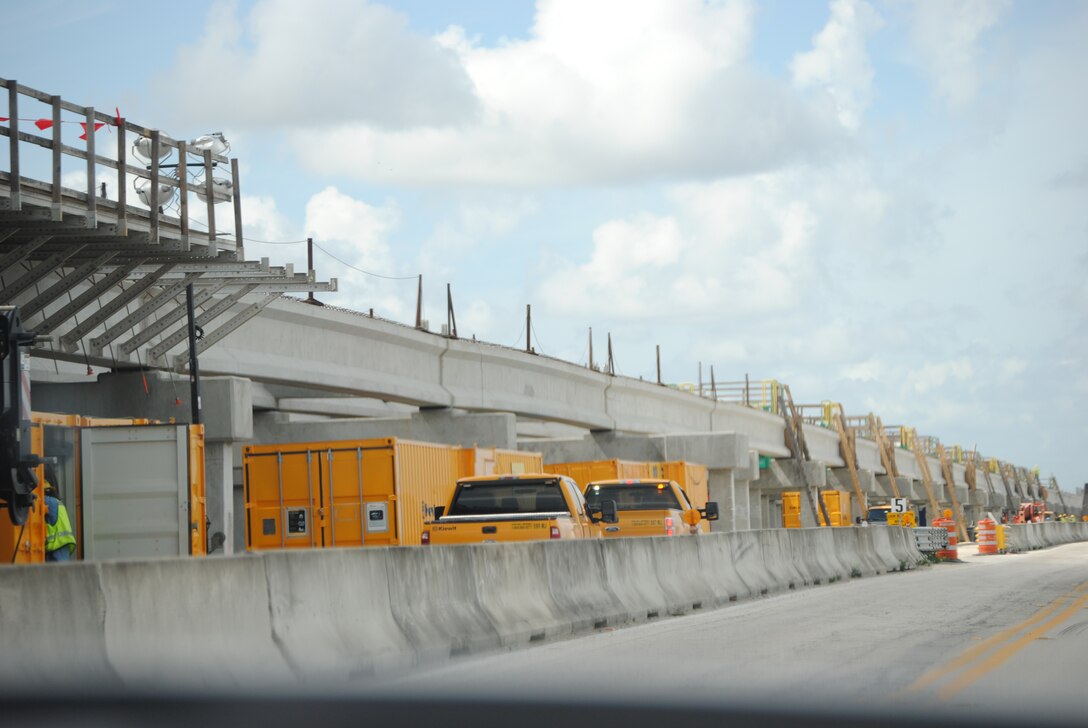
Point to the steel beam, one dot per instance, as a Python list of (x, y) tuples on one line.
[(100, 342), (63, 285), (164, 322), (68, 341), (220, 333), (84, 299), (21, 253), (35, 274), (220, 307)]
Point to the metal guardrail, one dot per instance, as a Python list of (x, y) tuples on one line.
[(760, 394), (930, 540)]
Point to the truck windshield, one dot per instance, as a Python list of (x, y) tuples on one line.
[(491, 498), (633, 496), (878, 515)]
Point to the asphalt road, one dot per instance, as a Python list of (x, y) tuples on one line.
[(995, 635)]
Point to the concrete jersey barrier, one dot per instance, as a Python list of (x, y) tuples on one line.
[(336, 614)]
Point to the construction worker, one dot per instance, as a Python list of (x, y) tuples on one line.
[(60, 540)]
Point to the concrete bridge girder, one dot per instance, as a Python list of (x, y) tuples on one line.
[(369, 357)]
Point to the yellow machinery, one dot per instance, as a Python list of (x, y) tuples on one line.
[(836, 502), (70, 441)]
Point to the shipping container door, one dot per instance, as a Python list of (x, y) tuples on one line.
[(342, 472), (283, 498), (136, 491)]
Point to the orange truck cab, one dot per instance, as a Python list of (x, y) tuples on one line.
[(649, 508), (526, 507)]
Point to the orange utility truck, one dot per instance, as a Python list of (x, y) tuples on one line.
[(526, 507), (649, 508)]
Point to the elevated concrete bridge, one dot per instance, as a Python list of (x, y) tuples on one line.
[(103, 279)]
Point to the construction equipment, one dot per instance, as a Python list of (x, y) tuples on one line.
[(795, 440), (1031, 512), (132, 488), (17, 461)]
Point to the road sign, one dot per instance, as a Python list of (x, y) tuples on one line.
[(900, 505)]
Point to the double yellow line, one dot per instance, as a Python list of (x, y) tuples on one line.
[(987, 656)]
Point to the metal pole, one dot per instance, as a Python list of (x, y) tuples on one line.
[(528, 327), (239, 241), (658, 363), (194, 365), (419, 304), (15, 199), (310, 266), (451, 316), (591, 347)]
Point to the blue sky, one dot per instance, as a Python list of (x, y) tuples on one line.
[(881, 203)]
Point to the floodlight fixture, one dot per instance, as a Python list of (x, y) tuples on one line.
[(223, 190), (141, 149), (143, 191), (215, 142)]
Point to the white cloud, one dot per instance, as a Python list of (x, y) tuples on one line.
[(869, 370), (839, 62), (946, 40), (606, 92), (1012, 368), (356, 233), (933, 376), (476, 220), (477, 319), (77, 180), (319, 63)]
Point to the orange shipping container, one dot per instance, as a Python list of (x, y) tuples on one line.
[(692, 477), (373, 492), (585, 473), (476, 461), (837, 503)]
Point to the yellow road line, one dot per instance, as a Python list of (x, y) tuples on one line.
[(1002, 656), (964, 659)]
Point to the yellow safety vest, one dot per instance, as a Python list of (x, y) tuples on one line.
[(60, 533)]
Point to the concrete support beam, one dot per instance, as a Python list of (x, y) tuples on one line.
[(441, 426), (784, 475), (716, 450)]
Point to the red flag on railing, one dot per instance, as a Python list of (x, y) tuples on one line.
[(97, 125), (3, 118), (43, 124)]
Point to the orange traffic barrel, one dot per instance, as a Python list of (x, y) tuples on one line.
[(952, 552), (986, 533)]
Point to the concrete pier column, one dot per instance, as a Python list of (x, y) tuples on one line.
[(219, 491), (722, 488)]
